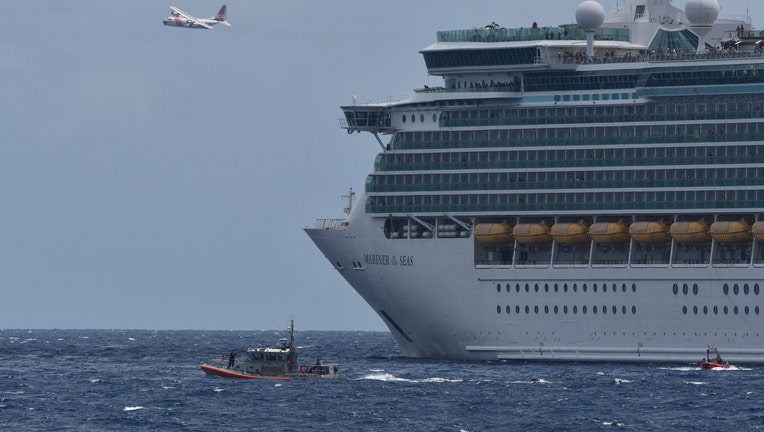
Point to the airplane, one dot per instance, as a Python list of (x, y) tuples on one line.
[(182, 19)]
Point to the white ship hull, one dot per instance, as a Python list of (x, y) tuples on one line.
[(437, 304)]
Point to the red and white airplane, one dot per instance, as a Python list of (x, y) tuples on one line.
[(182, 19)]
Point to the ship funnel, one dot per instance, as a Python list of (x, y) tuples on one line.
[(701, 14), (590, 15)]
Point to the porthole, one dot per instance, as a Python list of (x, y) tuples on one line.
[(726, 310), (421, 118), (527, 309), (575, 309), (676, 289), (604, 310), (508, 309), (756, 289), (546, 287), (546, 309), (615, 310), (404, 118), (413, 118), (556, 309), (498, 287), (536, 309), (594, 288), (695, 289), (633, 310), (498, 309), (575, 288), (517, 287), (615, 289), (517, 309), (565, 287), (583, 288), (736, 289), (746, 290), (716, 310), (623, 309), (508, 288), (633, 287), (536, 287), (705, 310), (694, 310), (746, 310), (684, 289), (527, 288), (556, 288), (583, 309), (726, 289), (623, 287), (594, 310), (735, 310), (434, 118), (565, 309), (756, 310), (684, 310)]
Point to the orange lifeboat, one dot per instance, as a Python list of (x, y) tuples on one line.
[(609, 232), (695, 232), (532, 233), (655, 232), (494, 234), (757, 229), (732, 232), (571, 233)]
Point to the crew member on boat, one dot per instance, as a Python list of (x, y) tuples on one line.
[(231, 358)]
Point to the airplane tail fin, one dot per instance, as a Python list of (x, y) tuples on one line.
[(221, 17)]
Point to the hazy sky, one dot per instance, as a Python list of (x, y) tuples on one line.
[(156, 177)]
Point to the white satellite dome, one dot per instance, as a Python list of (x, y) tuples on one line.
[(590, 14), (701, 12)]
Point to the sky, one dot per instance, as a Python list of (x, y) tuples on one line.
[(160, 178)]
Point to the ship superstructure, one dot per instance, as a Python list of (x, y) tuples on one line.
[(593, 191)]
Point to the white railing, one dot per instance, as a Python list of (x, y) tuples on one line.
[(331, 224)]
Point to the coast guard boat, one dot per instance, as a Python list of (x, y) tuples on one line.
[(278, 362), (590, 191)]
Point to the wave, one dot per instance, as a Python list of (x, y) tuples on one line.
[(392, 378), (132, 408)]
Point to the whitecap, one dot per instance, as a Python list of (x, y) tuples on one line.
[(622, 381), (218, 389), (94, 380), (132, 408), (613, 423), (439, 380), (131, 338), (696, 382), (386, 377)]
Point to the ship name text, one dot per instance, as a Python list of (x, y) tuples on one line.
[(388, 260)]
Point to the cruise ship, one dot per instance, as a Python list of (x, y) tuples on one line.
[(592, 191)]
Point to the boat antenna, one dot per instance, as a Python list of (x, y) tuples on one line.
[(291, 333)]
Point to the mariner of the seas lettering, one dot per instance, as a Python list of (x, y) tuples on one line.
[(396, 260)]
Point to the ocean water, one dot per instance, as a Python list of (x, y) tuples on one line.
[(112, 380)]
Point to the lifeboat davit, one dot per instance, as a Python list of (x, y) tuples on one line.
[(532, 233), (695, 232), (731, 232), (655, 232), (494, 234), (757, 229), (571, 233), (609, 232)]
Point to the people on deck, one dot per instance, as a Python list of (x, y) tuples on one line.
[(231, 358)]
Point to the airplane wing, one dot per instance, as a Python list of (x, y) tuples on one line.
[(189, 17)]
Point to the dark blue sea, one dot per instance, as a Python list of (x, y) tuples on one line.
[(111, 380)]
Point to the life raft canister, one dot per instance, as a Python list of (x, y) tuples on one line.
[(304, 368)]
